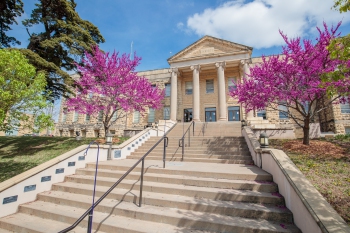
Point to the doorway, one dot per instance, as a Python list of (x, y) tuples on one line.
[(187, 114), (234, 113), (210, 114)]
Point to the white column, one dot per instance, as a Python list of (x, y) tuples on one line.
[(246, 71), (221, 90), (173, 94), (196, 106)]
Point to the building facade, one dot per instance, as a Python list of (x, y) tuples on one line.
[(197, 85)]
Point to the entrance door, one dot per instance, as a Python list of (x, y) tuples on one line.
[(188, 115), (210, 114), (233, 114)]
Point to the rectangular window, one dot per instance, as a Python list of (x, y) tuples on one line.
[(209, 86), (87, 118), (114, 117), (136, 117), (166, 113), (151, 114), (283, 111), (64, 115), (167, 89), (347, 130), (188, 88), (233, 113), (100, 116), (76, 116), (345, 108), (261, 113), (232, 84)]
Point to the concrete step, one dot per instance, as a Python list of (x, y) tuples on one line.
[(216, 171), (102, 222), (147, 217), (201, 160), (21, 222), (234, 209), (262, 186), (188, 154), (193, 148), (190, 191)]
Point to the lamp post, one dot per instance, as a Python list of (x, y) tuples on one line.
[(77, 133), (109, 138), (264, 140)]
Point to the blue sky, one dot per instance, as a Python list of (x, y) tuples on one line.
[(161, 28)]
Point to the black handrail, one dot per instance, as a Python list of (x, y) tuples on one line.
[(182, 139), (118, 182)]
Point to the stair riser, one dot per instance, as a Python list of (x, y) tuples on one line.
[(196, 150), (190, 193), (15, 228), (188, 173), (196, 155), (211, 184), (199, 160)]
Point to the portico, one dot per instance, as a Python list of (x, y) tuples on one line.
[(201, 75)]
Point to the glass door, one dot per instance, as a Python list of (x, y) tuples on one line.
[(210, 114), (234, 114), (188, 115)]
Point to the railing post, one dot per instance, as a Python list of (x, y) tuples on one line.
[(183, 147), (141, 184), (89, 228), (193, 128), (189, 138), (164, 150)]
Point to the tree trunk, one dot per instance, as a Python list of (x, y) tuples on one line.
[(306, 129)]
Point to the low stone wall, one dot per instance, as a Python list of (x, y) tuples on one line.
[(311, 212)]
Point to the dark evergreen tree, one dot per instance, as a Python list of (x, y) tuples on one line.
[(62, 42), (9, 10)]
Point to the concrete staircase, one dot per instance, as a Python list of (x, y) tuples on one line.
[(215, 189)]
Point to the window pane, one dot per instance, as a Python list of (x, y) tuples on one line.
[(210, 86), (232, 83), (188, 87), (151, 114), (114, 117), (87, 117), (261, 113), (345, 108), (167, 89), (64, 115), (166, 113), (76, 115), (347, 130), (100, 116), (136, 117), (283, 112)]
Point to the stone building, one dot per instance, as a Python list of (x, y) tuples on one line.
[(197, 88)]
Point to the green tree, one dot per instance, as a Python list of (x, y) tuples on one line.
[(9, 10), (339, 48), (62, 42), (21, 93)]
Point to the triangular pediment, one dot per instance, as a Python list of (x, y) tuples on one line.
[(207, 47)]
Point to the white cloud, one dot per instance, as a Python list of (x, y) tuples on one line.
[(256, 23)]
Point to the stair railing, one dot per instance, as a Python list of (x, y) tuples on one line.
[(142, 159), (182, 139)]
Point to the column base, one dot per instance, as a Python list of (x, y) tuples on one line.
[(196, 120), (222, 119)]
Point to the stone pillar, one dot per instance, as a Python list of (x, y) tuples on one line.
[(195, 94), (221, 90), (173, 94), (246, 72)]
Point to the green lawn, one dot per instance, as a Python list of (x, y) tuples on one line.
[(326, 164), (19, 154)]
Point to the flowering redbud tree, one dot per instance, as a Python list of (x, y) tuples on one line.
[(109, 88), (293, 80)]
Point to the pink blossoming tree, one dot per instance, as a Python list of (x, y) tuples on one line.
[(293, 80), (109, 88)]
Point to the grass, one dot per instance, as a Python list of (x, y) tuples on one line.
[(19, 154), (326, 163)]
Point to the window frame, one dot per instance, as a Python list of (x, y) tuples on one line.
[(282, 115), (230, 84), (209, 90), (188, 91), (345, 108), (136, 117), (166, 114), (167, 91)]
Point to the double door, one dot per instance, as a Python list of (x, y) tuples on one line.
[(210, 114)]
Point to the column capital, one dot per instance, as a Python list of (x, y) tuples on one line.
[(174, 70), (220, 64), (196, 67), (246, 61)]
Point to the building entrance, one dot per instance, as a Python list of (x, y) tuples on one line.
[(187, 114), (210, 114), (233, 114)]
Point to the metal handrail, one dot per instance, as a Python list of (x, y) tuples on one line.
[(142, 159), (182, 139)]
